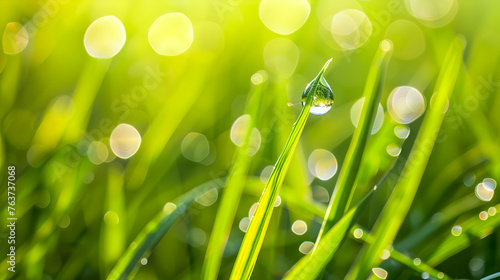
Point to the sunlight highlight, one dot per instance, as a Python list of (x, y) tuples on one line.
[(105, 37)]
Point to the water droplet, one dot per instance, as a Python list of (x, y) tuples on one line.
[(357, 233), (105, 37), (299, 227), (323, 99), (393, 150), (417, 261), (208, 198), (144, 261), (379, 272), (490, 183), (320, 194), (456, 230), (266, 173), (425, 275), (492, 211), (356, 113), (306, 247), (402, 131)]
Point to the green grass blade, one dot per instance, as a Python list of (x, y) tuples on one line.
[(372, 93), (403, 259), (399, 203), (312, 264), (232, 194), (152, 233), (473, 229), (492, 276), (252, 242)]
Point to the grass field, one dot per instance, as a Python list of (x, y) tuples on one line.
[(230, 139)]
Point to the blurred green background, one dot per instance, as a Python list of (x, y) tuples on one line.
[(178, 73)]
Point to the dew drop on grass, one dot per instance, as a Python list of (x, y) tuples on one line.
[(483, 215), (244, 224), (425, 275), (385, 254), (323, 99), (492, 211), (484, 192), (357, 233), (402, 131)]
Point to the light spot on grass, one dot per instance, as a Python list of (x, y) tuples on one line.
[(320, 194), (456, 230), (144, 261), (169, 208), (433, 13), (251, 212), (402, 131), (299, 227), (483, 215), (243, 225), (195, 147), (484, 192), (238, 134), (492, 211), (405, 104), (171, 34), (306, 247), (393, 150), (125, 140), (111, 218), (379, 272), (385, 254), (322, 164), (196, 237), (356, 113), (351, 28), (15, 38), (357, 233), (208, 198), (425, 275), (417, 261), (266, 173), (284, 16), (105, 37), (97, 152)]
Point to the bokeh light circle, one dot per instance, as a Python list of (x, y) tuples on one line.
[(351, 28), (171, 34), (238, 133), (125, 140), (104, 37), (284, 16), (356, 113), (405, 104), (195, 147), (15, 38), (322, 164)]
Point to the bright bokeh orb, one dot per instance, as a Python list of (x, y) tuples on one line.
[(484, 192), (433, 13), (125, 140), (380, 272), (322, 164), (456, 230), (356, 113), (306, 247), (97, 152), (281, 57), (405, 104), (239, 131), (195, 146), (105, 37), (351, 28), (208, 198), (299, 227), (15, 38), (171, 34), (284, 16)]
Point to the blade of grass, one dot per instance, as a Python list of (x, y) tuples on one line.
[(403, 259), (252, 242), (232, 193), (492, 276), (311, 265), (372, 93), (398, 205), (152, 233)]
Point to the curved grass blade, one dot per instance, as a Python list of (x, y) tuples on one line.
[(152, 233), (372, 93), (311, 265), (232, 194), (398, 205), (403, 259), (252, 242), (492, 276)]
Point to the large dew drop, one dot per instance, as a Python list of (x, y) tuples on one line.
[(323, 99)]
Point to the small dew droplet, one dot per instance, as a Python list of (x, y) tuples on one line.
[(323, 99)]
